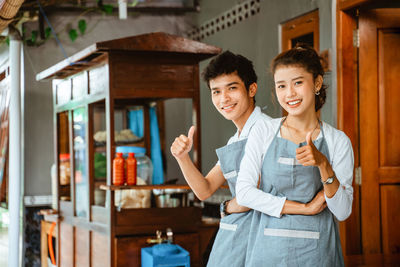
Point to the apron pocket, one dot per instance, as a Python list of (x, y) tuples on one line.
[(306, 222), (301, 243), (291, 233)]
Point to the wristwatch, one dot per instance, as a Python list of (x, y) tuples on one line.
[(329, 180), (222, 208)]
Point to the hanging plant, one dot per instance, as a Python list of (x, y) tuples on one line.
[(108, 9), (47, 33), (73, 34), (82, 26)]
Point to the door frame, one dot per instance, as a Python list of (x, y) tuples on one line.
[(348, 113)]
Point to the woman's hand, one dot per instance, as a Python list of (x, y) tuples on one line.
[(234, 207), (309, 155), (316, 205), (182, 144)]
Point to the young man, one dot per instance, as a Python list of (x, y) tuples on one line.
[(233, 85)]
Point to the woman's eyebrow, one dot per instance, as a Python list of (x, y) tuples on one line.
[(296, 78)]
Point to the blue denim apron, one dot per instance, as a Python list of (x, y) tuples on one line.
[(293, 240), (229, 248)]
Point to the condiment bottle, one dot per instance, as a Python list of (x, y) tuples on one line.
[(118, 170), (131, 169), (65, 170)]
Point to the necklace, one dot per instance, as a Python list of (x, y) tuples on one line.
[(287, 126)]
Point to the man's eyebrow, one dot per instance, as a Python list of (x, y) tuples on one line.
[(229, 84), (232, 83)]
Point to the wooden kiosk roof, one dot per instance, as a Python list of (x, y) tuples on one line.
[(152, 43)]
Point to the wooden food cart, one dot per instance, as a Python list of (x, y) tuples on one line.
[(89, 88)]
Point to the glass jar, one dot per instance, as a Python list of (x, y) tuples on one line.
[(144, 165)]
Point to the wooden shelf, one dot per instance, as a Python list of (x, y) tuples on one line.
[(139, 187), (122, 187)]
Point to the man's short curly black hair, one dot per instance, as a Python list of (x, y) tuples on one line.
[(227, 63)]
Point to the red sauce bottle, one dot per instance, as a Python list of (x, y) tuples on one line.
[(131, 169), (118, 170)]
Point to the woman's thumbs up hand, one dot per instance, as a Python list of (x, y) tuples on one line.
[(309, 155), (183, 144)]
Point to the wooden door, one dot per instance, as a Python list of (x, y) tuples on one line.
[(379, 68), (304, 29)]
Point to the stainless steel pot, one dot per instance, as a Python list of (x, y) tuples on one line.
[(171, 198)]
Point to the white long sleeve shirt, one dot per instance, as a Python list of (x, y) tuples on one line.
[(259, 140)]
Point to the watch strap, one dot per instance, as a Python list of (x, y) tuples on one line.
[(223, 207)]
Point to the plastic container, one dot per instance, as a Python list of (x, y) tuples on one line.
[(131, 169), (144, 165), (165, 255), (118, 170)]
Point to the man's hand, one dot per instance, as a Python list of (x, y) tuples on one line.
[(183, 144)]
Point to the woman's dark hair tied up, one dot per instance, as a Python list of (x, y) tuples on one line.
[(304, 56)]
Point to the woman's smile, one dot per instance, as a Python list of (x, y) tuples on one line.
[(294, 103)]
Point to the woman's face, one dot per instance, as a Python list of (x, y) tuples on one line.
[(295, 89)]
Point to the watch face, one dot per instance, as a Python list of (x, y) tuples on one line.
[(328, 181)]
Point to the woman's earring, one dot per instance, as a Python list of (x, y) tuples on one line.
[(317, 92)]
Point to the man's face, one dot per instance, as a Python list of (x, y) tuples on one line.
[(231, 99)]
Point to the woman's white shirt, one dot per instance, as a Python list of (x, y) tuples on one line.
[(259, 140)]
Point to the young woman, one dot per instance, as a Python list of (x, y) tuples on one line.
[(305, 166)]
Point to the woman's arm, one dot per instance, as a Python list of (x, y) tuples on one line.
[(339, 193), (315, 206), (234, 207), (247, 193), (340, 204)]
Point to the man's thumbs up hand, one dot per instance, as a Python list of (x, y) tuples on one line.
[(183, 144)]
